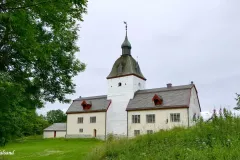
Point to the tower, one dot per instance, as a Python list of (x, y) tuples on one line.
[(124, 80)]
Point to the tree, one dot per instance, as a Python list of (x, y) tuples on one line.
[(37, 47), (238, 102), (37, 57), (56, 116)]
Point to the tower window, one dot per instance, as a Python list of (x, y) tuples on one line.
[(119, 84)]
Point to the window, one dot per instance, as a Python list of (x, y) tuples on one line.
[(175, 117), (119, 84), (135, 118), (80, 130), (92, 119), (150, 118), (136, 132), (80, 119), (149, 131)]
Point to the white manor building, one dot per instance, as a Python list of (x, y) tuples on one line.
[(129, 109)]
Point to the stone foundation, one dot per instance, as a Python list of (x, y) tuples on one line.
[(102, 137)]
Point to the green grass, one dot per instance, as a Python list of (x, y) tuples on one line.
[(217, 140), (36, 148)]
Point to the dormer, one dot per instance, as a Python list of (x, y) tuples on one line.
[(86, 105), (157, 100)]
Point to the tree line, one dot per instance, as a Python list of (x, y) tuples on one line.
[(27, 122)]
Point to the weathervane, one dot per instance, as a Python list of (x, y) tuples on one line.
[(125, 26)]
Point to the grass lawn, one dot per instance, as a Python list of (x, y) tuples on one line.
[(37, 148)]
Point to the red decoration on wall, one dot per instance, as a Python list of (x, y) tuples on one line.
[(86, 105), (157, 99)]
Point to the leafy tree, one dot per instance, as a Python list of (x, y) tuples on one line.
[(37, 61), (238, 102), (10, 112), (56, 116), (37, 47), (33, 124)]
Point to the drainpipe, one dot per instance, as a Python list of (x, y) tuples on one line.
[(66, 126), (105, 125), (188, 116), (127, 124)]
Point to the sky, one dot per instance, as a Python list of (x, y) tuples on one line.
[(174, 41)]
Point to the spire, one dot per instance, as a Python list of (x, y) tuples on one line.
[(126, 46)]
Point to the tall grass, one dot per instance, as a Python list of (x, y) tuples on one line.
[(217, 139)]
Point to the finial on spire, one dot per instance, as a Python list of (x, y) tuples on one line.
[(125, 26), (126, 46)]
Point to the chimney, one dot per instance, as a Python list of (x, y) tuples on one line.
[(169, 85)]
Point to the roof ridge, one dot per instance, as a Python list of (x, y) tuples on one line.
[(91, 97), (165, 89)]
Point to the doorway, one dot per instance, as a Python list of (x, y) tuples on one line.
[(54, 134), (94, 133)]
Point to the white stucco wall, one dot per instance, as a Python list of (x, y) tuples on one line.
[(60, 133), (120, 96), (88, 128), (160, 120), (194, 106), (50, 134)]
